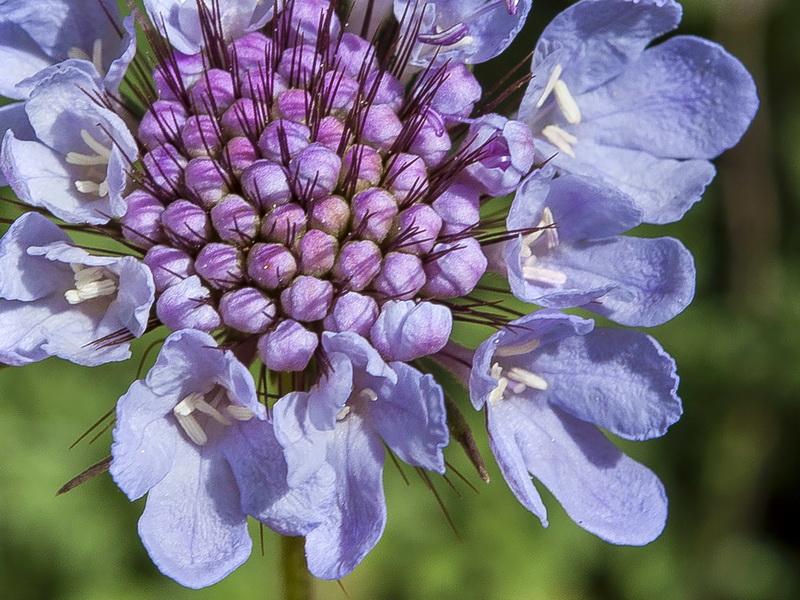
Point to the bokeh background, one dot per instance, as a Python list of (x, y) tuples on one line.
[(730, 465)]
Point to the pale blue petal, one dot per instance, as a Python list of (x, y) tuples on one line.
[(357, 520)]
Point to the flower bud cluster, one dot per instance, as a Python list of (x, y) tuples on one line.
[(291, 186)]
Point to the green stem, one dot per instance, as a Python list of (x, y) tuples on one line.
[(296, 578)]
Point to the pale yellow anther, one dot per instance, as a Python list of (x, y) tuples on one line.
[(542, 274), (100, 157), (368, 394), (97, 55), (90, 283), (96, 58), (78, 53), (240, 413), (551, 84), (527, 378), (185, 413), (561, 139), (569, 108), (517, 350), (497, 393), (502, 383)]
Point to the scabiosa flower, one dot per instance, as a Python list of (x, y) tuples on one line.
[(303, 195), (645, 119)]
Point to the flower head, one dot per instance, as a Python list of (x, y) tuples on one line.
[(320, 200)]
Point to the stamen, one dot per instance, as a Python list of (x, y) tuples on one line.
[(518, 349), (97, 55), (196, 402), (100, 157), (527, 378), (78, 53), (96, 58), (183, 413), (551, 84), (90, 187), (240, 413), (548, 225), (497, 393), (560, 139), (567, 103), (545, 227), (343, 414), (502, 383), (205, 408), (90, 283), (542, 274), (368, 394), (95, 145), (527, 240)]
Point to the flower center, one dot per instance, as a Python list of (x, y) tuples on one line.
[(90, 283), (288, 174), (516, 379), (365, 395), (100, 158), (218, 409), (544, 239), (556, 135)]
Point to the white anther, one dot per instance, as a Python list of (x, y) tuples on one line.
[(542, 274), (525, 250), (78, 53), (91, 187), (551, 84), (546, 227), (207, 409), (183, 414), (185, 411), (342, 415), (84, 274), (97, 55), (569, 108), (496, 371), (240, 413), (497, 393), (186, 407), (502, 383), (564, 98), (90, 283), (518, 349), (86, 160), (99, 149), (527, 378), (101, 153), (368, 394), (96, 58), (561, 139), (100, 157)]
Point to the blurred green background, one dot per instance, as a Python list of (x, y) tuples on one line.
[(730, 465)]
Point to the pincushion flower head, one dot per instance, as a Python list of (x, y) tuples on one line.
[(297, 189)]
